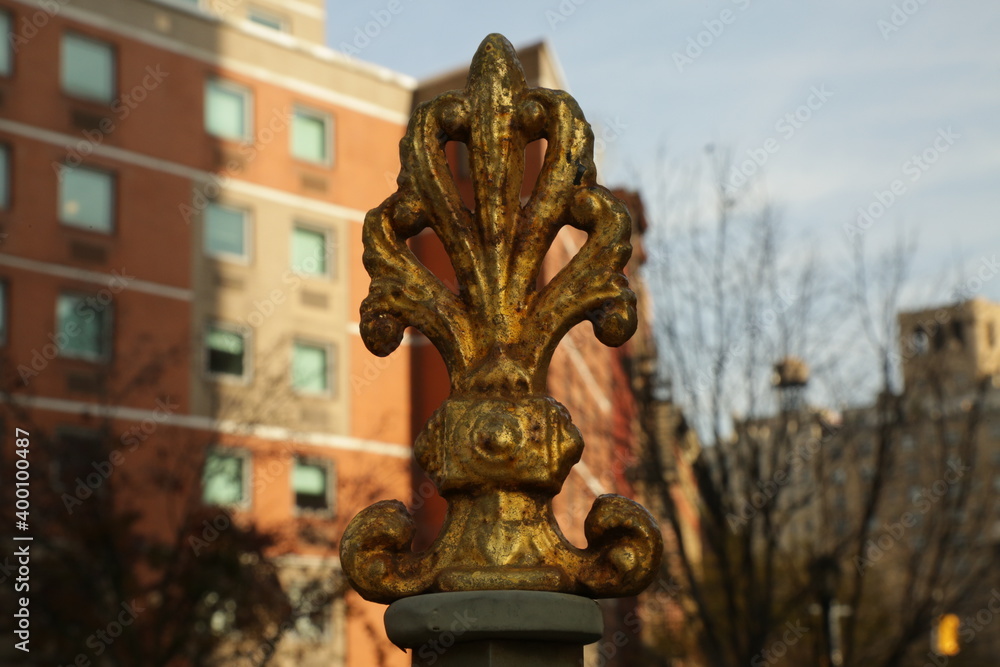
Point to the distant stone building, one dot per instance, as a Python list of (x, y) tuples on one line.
[(931, 457)]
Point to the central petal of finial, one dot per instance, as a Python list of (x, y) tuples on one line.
[(499, 448)]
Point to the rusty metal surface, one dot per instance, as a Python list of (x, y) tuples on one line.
[(499, 448)]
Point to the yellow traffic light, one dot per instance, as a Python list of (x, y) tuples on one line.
[(946, 637)]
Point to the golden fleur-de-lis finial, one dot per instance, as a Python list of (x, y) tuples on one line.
[(499, 448)]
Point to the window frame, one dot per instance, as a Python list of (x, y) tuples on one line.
[(247, 213), (195, 7), (331, 480), (247, 334), (330, 350), (112, 207), (245, 92), (265, 14), (246, 501), (328, 123), (8, 44), (7, 185), (329, 272), (106, 335), (113, 74)]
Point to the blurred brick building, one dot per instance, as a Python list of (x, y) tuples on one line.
[(182, 187)]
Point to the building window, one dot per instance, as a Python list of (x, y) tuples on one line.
[(225, 352), (921, 341), (74, 452), (311, 136), (6, 49), (224, 478), (958, 332), (5, 172), (225, 232), (88, 68), (311, 485), (310, 372), (309, 252), (227, 110), (266, 19), (86, 198), (991, 335), (939, 338), (83, 327)]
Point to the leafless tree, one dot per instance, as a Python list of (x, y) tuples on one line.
[(734, 295), (129, 567)]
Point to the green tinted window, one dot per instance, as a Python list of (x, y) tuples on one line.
[(226, 110), (225, 231), (309, 368), (86, 198), (310, 140), (309, 482), (223, 480), (6, 48), (224, 352), (88, 68), (84, 326)]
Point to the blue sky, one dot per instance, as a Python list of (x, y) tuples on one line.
[(887, 91)]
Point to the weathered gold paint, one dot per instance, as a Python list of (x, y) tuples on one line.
[(499, 448)]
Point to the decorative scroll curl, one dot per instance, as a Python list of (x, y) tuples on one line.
[(499, 448)]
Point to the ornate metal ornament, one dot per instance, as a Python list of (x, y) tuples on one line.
[(499, 448)]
